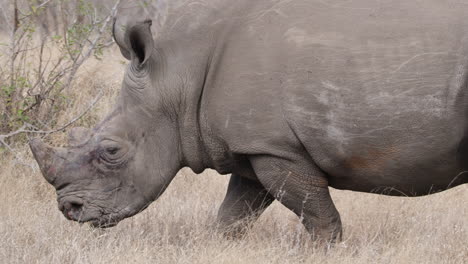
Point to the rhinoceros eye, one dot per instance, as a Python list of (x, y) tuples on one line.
[(112, 152)]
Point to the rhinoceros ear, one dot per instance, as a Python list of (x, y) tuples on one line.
[(118, 34), (78, 135), (136, 44)]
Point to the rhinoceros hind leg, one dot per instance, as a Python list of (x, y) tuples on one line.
[(303, 189), (244, 202)]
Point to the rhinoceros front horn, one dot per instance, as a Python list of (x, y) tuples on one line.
[(48, 159)]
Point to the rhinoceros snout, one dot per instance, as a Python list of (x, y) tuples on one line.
[(72, 210)]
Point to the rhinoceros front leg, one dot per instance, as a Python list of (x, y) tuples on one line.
[(244, 202), (303, 189)]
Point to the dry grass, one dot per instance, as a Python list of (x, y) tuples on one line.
[(180, 228)]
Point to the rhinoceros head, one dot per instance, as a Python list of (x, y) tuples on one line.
[(116, 169)]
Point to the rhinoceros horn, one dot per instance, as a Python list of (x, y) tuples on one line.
[(49, 159)]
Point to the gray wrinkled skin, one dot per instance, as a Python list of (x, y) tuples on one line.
[(291, 97)]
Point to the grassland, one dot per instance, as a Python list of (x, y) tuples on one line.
[(180, 226)]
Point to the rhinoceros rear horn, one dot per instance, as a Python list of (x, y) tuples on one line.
[(135, 41)]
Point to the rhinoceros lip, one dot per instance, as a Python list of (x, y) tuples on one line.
[(97, 222)]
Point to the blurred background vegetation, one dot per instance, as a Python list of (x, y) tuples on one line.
[(43, 44)]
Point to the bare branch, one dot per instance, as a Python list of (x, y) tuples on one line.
[(43, 4), (93, 44), (7, 19), (91, 106), (35, 93), (27, 128)]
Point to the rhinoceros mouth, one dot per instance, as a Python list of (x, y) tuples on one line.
[(97, 222)]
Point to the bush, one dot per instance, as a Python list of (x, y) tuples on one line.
[(41, 56)]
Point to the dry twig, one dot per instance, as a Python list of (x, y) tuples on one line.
[(43, 83), (31, 129)]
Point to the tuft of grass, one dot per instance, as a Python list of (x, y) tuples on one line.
[(180, 226)]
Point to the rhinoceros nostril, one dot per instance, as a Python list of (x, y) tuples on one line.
[(71, 210)]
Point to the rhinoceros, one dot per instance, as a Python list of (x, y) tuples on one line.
[(289, 97)]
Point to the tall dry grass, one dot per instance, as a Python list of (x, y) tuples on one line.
[(180, 227)]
